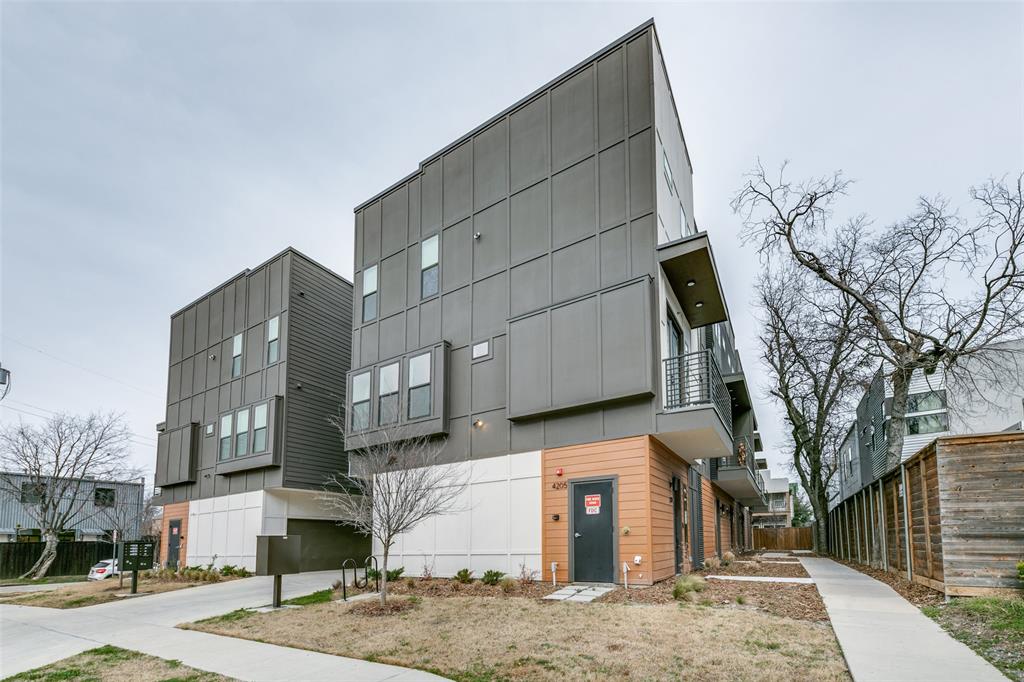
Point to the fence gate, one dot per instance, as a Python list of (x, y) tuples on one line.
[(784, 538)]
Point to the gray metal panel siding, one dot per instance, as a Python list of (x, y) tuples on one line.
[(14, 515), (201, 387), (549, 202), (319, 323)]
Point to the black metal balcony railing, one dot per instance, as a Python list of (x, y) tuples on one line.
[(743, 456), (693, 379)]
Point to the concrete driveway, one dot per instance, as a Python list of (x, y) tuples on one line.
[(31, 637)]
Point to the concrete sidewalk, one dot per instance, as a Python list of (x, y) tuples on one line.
[(885, 637), (31, 637)]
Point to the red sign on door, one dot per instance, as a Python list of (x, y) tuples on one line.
[(592, 503)]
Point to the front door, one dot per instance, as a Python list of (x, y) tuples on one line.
[(593, 534), (696, 520), (173, 542)]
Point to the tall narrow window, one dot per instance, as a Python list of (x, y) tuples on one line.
[(668, 172), (387, 390), (361, 401), (370, 293), (428, 267), (273, 334), (236, 356), (225, 437), (419, 386), (259, 428), (242, 433)]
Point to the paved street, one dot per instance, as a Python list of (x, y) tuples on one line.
[(31, 637), (885, 637)]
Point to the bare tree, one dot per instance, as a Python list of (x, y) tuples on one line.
[(906, 277), (392, 486), (809, 343), (60, 458)]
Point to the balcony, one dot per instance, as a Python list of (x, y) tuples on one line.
[(737, 474), (696, 416), (689, 266)]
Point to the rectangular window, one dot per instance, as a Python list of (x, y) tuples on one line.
[(668, 172), (32, 493), (370, 293), (259, 428), (926, 402), (428, 267), (103, 497), (927, 423), (225, 437), (387, 389), (419, 386), (242, 433), (236, 356), (361, 401), (273, 341), (481, 350)]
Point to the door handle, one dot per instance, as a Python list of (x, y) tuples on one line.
[(578, 535)]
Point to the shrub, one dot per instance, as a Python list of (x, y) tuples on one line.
[(234, 571), (464, 576), (741, 600), (492, 577), (393, 574), (687, 584), (508, 585), (428, 572), (728, 558), (1020, 571), (526, 575), (410, 583), (712, 563)]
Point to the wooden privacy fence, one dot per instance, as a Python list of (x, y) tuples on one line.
[(951, 517), (73, 558), (784, 538)]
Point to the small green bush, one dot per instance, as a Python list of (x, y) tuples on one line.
[(492, 577), (741, 600), (231, 571), (686, 584), (1020, 571), (464, 576), (393, 574), (508, 585)]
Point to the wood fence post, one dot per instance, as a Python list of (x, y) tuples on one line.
[(896, 518), (856, 525), (881, 522), (907, 539), (927, 520)]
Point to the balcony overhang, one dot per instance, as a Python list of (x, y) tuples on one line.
[(739, 392), (739, 482), (694, 433), (690, 269)]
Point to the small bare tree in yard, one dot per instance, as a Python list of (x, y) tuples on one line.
[(125, 519), (393, 486), (934, 288), (49, 469), (810, 346)]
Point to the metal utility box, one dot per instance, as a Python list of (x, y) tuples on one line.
[(137, 555), (278, 554)]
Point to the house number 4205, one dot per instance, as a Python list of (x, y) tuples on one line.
[(559, 485)]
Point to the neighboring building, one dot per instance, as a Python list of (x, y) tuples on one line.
[(257, 369), (778, 513), (105, 507), (986, 406), (539, 292)]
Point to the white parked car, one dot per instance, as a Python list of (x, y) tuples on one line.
[(103, 570)]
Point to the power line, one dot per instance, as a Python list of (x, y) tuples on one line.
[(132, 436), (45, 409), (81, 367)]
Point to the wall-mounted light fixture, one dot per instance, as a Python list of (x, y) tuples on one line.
[(476, 235), (213, 356), (478, 423)]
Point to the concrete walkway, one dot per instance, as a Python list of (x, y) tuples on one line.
[(885, 637), (31, 637), (762, 579), (39, 587)]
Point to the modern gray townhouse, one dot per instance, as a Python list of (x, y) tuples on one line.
[(985, 406), (256, 369), (539, 293)]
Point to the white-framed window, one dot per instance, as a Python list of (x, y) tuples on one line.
[(259, 428), (273, 339), (370, 293), (387, 392), (236, 355), (361, 401), (242, 433), (481, 349), (225, 437), (419, 386), (429, 268)]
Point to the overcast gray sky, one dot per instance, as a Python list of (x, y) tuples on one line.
[(152, 150)]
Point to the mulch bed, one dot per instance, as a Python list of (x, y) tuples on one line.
[(372, 607), (771, 569), (449, 587), (999, 640), (789, 600), (916, 594)]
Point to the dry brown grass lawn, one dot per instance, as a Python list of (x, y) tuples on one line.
[(111, 664), (76, 595), (487, 639)]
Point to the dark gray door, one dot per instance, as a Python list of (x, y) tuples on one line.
[(696, 520), (173, 542), (677, 520), (593, 533)]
